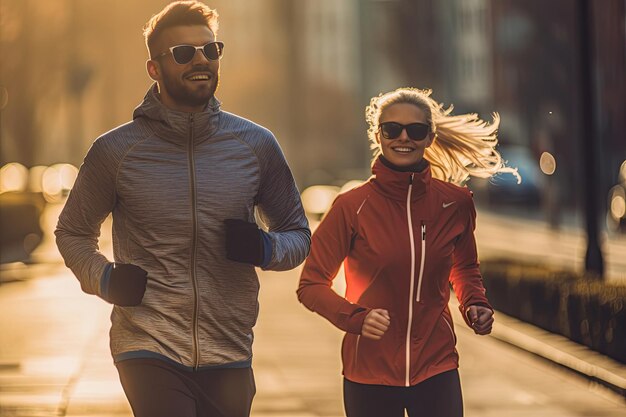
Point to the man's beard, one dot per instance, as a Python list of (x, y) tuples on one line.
[(186, 96)]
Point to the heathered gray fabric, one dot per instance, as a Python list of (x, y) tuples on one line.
[(170, 186)]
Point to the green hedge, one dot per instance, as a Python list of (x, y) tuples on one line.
[(584, 309)]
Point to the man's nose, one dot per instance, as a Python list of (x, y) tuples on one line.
[(199, 58)]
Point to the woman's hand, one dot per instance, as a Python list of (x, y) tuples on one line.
[(481, 319), (376, 324)]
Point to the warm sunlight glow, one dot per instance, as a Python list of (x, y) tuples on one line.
[(68, 175), (13, 177), (51, 183), (57, 181), (318, 198), (35, 178)]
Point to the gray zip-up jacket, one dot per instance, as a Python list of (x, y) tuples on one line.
[(170, 179)]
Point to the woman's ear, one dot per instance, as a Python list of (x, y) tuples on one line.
[(154, 71), (431, 138)]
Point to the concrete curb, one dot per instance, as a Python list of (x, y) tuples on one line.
[(563, 352), (556, 349)]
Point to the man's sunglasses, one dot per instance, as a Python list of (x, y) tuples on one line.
[(415, 131), (183, 54)]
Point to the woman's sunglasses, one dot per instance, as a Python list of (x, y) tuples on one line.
[(415, 131), (183, 54)]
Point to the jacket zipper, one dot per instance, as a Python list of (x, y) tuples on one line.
[(356, 351), (192, 167), (422, 261), (412, 283)]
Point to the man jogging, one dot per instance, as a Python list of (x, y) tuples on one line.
[(183, 180)]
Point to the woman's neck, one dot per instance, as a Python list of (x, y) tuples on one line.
[(416, 167)]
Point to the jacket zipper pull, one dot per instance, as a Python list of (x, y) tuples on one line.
[(422, 262), (411, 179)]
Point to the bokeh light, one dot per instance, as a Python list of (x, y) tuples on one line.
[(57, 180), (547, 163), (35, 178), (617, 202), (13, 177), (316, 199)]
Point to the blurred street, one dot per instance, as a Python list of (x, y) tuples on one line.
[(507, 236), (547, 76), (54, 357)]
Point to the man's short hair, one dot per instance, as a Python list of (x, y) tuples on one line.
[(179, 13)]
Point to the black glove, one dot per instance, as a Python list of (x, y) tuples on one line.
[(243, 242), (127, 284)]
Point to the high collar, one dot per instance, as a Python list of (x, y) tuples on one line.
[(395, 184), (175, 125)]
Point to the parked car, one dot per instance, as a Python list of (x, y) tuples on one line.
[(20, 212), (504, 188)]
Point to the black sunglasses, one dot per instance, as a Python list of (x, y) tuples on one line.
[(183, 54), (415, 131)]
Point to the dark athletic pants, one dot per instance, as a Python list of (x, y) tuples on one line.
[(438, 396), (156, 388)]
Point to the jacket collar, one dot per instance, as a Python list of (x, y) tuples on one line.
[(395, 184), (173, 125)]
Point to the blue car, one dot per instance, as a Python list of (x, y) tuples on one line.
[(504, 188)]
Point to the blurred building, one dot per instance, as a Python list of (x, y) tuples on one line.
[(306, 69), (537, 88), (467, 46), (609, 21), (324, 83)]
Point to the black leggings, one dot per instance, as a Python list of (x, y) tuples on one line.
[(156, 388), (438, 396)]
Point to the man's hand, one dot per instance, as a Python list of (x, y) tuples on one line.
[(243, 242), (376, 324), (481, 319), (127, 284)]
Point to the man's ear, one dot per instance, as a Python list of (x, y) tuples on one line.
[(154, 70)]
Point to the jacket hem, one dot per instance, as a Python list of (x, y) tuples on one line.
[(146, 354), (400, 382)]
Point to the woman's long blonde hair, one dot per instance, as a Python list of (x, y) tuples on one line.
[(464, 145)]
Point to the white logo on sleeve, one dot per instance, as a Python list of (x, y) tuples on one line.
[(446, 205)]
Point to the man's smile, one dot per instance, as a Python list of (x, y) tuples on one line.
[(199, 76)]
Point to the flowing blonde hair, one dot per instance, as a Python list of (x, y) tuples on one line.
[(464, 145)]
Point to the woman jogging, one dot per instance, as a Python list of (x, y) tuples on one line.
[(404, 236)]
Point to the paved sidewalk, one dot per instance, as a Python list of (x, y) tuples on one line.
[(297, 366), (296, 362)]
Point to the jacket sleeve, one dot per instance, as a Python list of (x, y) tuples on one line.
[(281, 210), (465, 276), (90, 201), (330, 246)]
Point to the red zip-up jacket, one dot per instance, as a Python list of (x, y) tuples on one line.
[(403, 238)]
